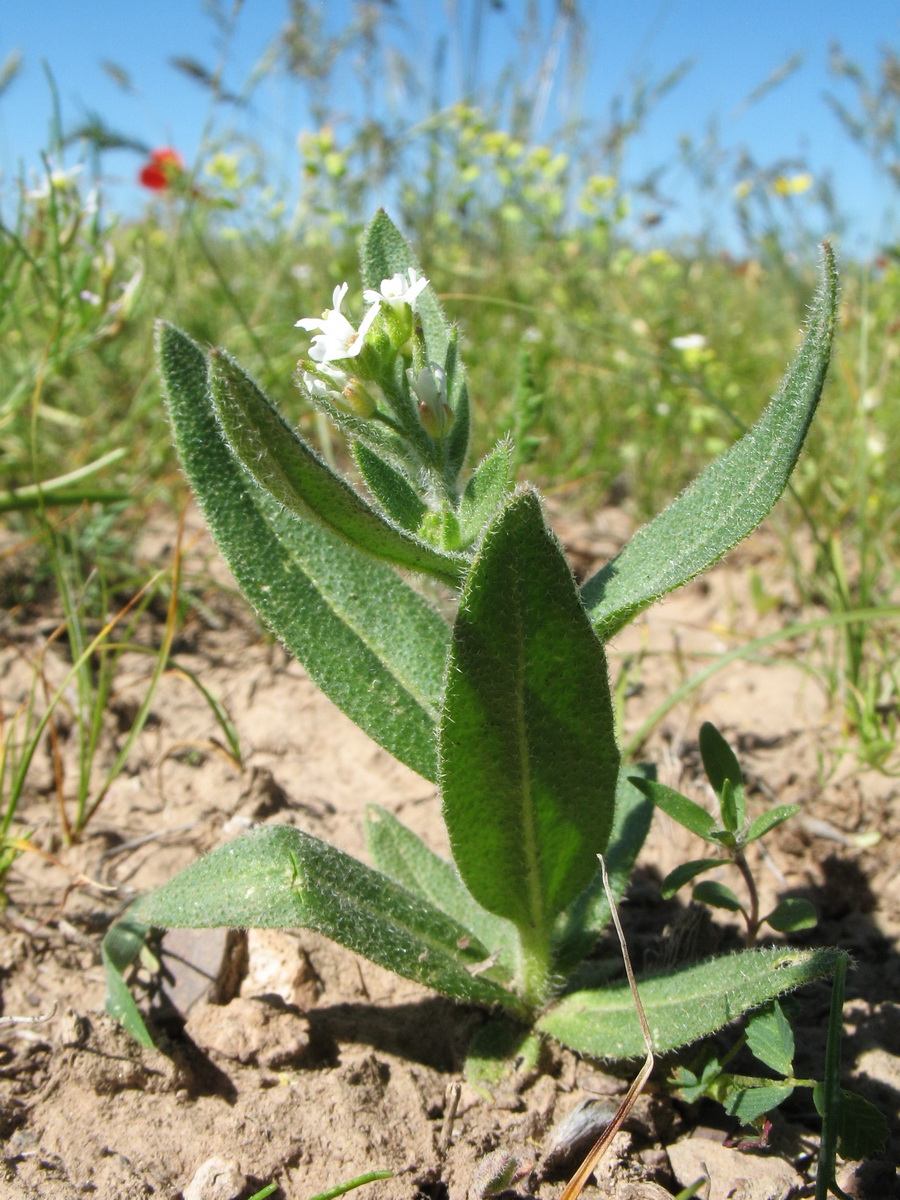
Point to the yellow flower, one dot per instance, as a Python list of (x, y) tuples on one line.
[(792, 185)]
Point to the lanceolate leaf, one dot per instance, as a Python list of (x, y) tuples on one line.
[(680, 808), (769, 820), (683, 1004), (732, 495), (392, 490), (528, 759), (344, 616), (282, 464), (119, 949), (281, 878), (398, 853), (484, 493)]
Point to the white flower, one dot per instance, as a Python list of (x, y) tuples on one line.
[(337, 339), (399, 289), (689, 341), (57, 179), (430, 388), (346, 392), (335, 382)]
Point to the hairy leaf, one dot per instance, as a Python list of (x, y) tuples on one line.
[(398, 853), (584, 921), (285, 467), (281, 878), (391, 489), (484, 493), (732, 495), (344, 616), (682, 1004), (528, 759)]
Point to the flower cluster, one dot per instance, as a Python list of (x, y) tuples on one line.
[(338, 345)]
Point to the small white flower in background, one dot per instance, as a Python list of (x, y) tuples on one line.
[(58, 179), (337, 339), (399, 289), (90, 298), (688, 342)]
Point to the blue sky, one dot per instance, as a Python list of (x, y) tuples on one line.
[(735, 45)]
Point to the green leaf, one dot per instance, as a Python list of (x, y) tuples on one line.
[(346, 617), (391, 489), (724, 773), (717, 895), (281, 878), (528, 759), (771, 1039), (792, 915), (768, 820), (457, 441), (282, 464), (484, 493), (584, 921), (398, 853), (686, 812), (731, 803), (118, 950), (862, 1128), (682, 1004), (748, 1103), (684, 873), (732, 495), (719, 760), (383, 254)]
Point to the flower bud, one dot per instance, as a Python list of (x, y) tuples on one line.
[(430, 388)]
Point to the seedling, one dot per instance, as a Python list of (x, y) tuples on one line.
[(852, 1126), (733, 835), (507, 708)]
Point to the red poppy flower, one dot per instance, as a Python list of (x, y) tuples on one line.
[(162, 169)]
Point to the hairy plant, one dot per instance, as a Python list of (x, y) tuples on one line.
[(507, 707)]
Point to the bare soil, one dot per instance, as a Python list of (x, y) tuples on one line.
[(283, 1057)]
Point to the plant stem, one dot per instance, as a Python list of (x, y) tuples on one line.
[(534, 967), (752, 917)]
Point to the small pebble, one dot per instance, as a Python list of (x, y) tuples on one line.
[(216, 1179)]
